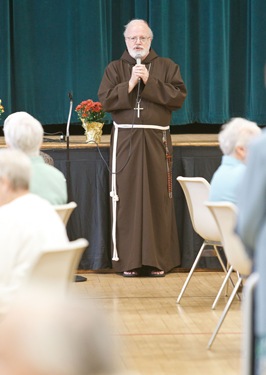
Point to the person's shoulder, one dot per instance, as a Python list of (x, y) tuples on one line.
[(166, 61), (259, 143), (51, 170), (39, 203), (125, 58), (261, 139), (113, 63), (35, 199), (24, 204)]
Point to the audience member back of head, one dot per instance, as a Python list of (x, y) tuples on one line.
[(23, 132), (234, 140)]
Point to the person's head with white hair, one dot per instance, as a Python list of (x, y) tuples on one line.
[(47, 335), (138, 37), (235, 137), (15, 174), (23, 132)]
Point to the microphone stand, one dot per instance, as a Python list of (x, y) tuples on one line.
[(67, 144), (78, 278)]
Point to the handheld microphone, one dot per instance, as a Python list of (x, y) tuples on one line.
[(138, 58)]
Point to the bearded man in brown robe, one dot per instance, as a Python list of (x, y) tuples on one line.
[(141, 90)]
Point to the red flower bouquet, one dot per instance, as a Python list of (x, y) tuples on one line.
[(90, 111)]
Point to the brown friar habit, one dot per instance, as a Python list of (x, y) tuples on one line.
[(146, 232)]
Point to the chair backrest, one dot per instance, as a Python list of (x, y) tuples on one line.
[(196, 190), (55, 267), (65, 210), (225, 214)]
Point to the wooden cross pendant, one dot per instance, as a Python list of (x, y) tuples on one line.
[(138, 109)]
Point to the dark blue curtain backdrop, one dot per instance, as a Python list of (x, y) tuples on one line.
[(51, 47)]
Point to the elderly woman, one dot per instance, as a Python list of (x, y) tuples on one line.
[(28, 225), (23, 132), (234, 139)]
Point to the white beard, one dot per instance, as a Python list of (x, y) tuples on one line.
[(141, 52)]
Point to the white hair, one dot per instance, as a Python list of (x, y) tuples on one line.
[(237, 132), (137, 21), (15, 166), (23, 132)]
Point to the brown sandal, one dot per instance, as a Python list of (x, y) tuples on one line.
[(131, 273), (156, 273)]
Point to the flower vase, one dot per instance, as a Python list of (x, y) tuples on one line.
[(93, 131)]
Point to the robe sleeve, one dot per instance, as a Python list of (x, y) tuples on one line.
[(170, 91), (112, 93)]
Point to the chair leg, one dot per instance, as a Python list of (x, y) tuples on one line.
[(222, 287), (191, 272), (225, 268), (225, 311), (248, 324), (226, 292), (220, 259)]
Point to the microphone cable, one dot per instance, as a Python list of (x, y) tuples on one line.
[(129, 152)]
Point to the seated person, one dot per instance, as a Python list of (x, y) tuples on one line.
[(28, 224), (233, 140), (25, 133), (251, 227)]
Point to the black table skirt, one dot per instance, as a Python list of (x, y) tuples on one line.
[(88, 186)]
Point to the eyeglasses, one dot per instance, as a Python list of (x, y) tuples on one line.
[(142, 39)]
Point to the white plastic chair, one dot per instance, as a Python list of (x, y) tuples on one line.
[(248, 350), (196, 190), (55, 267), (225, 215), (65, 210)]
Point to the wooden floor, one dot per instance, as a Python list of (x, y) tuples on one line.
[(160, 337)]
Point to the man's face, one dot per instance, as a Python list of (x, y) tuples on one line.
[(138, 40)]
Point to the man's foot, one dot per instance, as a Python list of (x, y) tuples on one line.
[(132, 273), (155, 272)]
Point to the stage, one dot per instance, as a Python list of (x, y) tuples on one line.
[(88, 182)]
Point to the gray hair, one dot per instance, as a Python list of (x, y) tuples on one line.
[(132, 22), (15, 166), (23, 132), (237, 132)]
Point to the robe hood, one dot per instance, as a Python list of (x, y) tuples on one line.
[(151, 56)]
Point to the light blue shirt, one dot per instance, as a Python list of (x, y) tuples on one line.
[(226, 181)]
